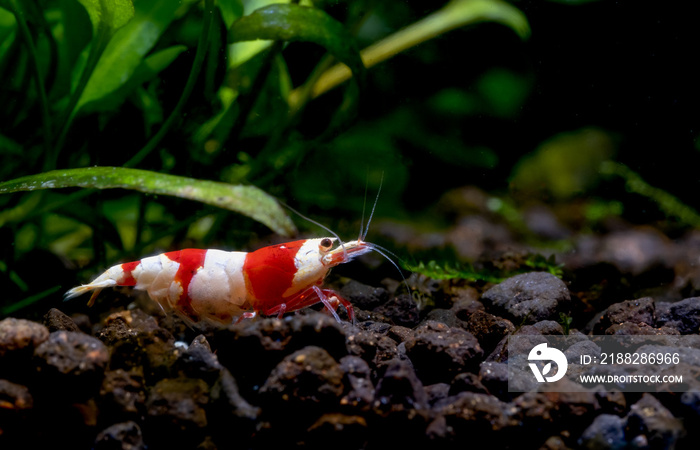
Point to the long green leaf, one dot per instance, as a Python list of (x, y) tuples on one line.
[(112, 14), (230, 10), (107, 17), (247, 200), (9, 309), (127, 48), (147, 70), (455, 14), (290, 22)]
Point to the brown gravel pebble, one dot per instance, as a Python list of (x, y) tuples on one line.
[(21, 336)]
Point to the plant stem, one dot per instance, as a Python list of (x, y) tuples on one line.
[(175, 115), (16, 306), (104, 34), (247, 102), (43, 100), (455, 14)]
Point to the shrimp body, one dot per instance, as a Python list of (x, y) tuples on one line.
[(221, 286)]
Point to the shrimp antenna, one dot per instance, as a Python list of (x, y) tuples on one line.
[(383, 251), (364, 205), (345, 252), (363, 235)]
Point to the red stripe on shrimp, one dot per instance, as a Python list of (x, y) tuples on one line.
[(269, 272), (190, 260), (128, 277)]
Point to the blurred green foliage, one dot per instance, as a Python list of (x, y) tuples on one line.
[(223, 104), (670, 205), (564, 166), (467, 272)]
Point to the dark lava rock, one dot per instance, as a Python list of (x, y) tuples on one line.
[(71, 363), (176, 413), (555, 443), (640, 311), (370, 316), (606, 432), (402, 310), (19, 337), (16, 403), (251, 349), (488, 329), (344, 431), (613, 402), (584, 347), (303, 386), (14, 397), (529, 330), (306, 379), (198, 361), (636, 311), (638, 329), (692, 401), (445, 316), (400, 405), (56, 320), (684, 315), (529, 298), (357, 379), (549, 327), (569, 412), (118, 331), (467, 382), (123, 394), (120, 436), (465, 301), (363, 296), (375, 349), (649, 419), (399, 389), (375, 327), (229, 410), (536, 411), (233, 404), (520, 346), (473, 414), (129, 325), (579, 407), (136, 340), (635, 251), (437, 392), (399, 333), (494, 377), (439, 352)]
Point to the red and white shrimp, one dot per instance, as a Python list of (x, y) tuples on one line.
[(221, 286)]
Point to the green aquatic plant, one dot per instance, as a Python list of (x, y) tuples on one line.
[(451, 271), (566, 320), (666, 202), (195, 110), (447, 271), (545, 264)]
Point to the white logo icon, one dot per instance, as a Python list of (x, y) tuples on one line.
[(542, 353)]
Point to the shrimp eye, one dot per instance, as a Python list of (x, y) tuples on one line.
[(326, 243)]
